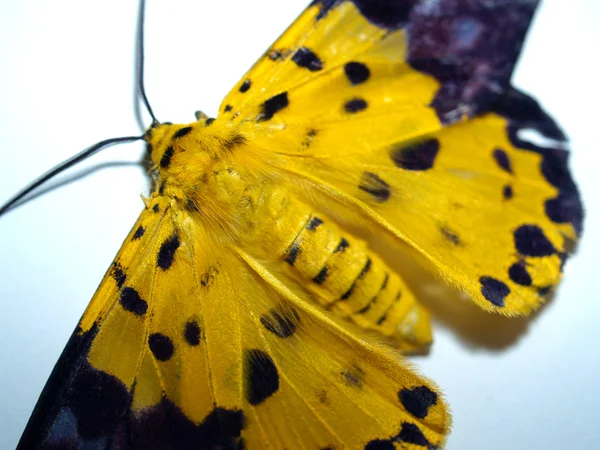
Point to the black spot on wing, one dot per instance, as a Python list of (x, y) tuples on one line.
[(372, 184), (389, 14), (97, 400), (494, 291), (166, 253), (182, 132), (519, 275), (275, 55), (118, 274), (208, 121), (356, 72), (208, 277), (161, 346), (156, 208), (450, 235), (138, 233), (306, 58), (355, 105), (245, 86), (165, 426), (411, 434), (564, 209), (131, 301), (165, 160), (418, 400), (419, 156), (191, 333), (282, 322), (308, 139), (227, 108), (272, 106), (530, 240), (507, 192), (380, 444), (354, 376), (262, 378), (501, 158)]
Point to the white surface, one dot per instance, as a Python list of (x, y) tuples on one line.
[(66, 82)]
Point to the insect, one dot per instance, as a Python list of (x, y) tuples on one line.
[(372, 189)]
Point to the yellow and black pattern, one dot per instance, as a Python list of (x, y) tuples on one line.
[(242, 310)]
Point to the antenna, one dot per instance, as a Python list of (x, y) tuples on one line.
[(140, 60), (63, 166), (102, 144)]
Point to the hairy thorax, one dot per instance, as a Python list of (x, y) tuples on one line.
[(214, 173)]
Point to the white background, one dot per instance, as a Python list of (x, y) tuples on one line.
[(66, 82)]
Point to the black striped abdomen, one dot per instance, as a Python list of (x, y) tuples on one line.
[(353, 282)]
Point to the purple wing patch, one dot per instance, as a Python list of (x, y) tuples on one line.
[(469, 46)]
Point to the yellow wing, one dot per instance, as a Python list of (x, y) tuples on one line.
[(192, 344), (403, 115)]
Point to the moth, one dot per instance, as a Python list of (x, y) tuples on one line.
[(242, 307)]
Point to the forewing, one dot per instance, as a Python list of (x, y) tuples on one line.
[(189, 344), (408, 119)]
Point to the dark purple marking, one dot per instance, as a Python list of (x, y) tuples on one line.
[(470, 47), (494, 291), (411, 434), (272, 106), (245, 86), (507, 192), (450, 235), (375, 186), (355, 105), (118, 274), (390, 14), (131, 301), (166, 253), (380, 444), (519, 275), (138, 233), (191, 333), (165, 426), (281, 322), (523, 112), (501, 158), (418, 400), (262, 377), (420, 156), (161, 346), (354, 376), (530, 240), (356, 72), (307, 59)]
